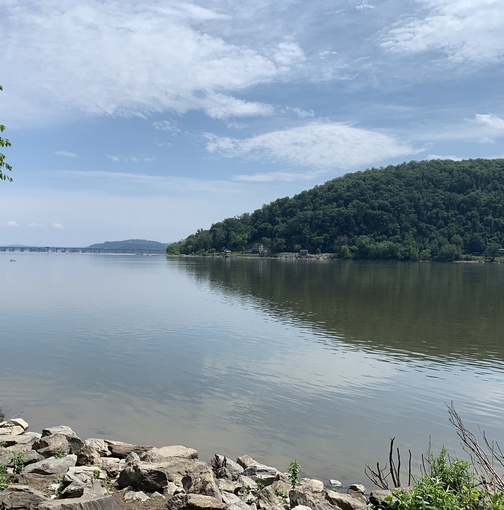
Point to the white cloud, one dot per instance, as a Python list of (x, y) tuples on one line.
[(65, 154), (279, 177), (489, 120), (302, 114), (119, 59), (166, 125), (11, 223), (434, 156), (130, 159), (462, 30), (317, 145), (57, 226)]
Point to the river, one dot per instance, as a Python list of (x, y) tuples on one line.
[(319, 361)]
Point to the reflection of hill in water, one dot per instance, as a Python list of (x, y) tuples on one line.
[(434, 310)]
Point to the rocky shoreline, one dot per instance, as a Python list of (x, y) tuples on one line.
[(55, 469)]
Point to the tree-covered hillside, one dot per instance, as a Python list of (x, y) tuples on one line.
[(430, 210)]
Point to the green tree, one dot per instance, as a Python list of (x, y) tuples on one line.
[(4, 142)]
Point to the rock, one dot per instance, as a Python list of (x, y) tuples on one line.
[(52, 466), (259, 471), (13, 427), (20, 497), (84, 503), (122, 450), (267, 498), (233, 468), (112, 465), (27, 438), (246, 461), (334, 483), (313, 501), (345, 501), (194, 476), (50, 445), (194, 502), (100, 445), (301, 507), (167, 452), (357, 487), (88, 456), (382, 497), (58, 429), (311, 485), (135, 496)]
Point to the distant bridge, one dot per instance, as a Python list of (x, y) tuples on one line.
[(61, 249)]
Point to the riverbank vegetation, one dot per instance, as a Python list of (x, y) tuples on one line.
[(446, 483), (429, 210)]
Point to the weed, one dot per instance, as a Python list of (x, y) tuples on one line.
[(283, 495), (3, 478), (260, 483), (61, 453), (293, 472), (96, 474), (18, 461)]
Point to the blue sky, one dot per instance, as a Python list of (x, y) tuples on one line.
[(153, 119)]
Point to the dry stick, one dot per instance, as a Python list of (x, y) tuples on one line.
[(478, 456)]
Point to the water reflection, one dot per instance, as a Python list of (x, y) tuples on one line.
[(320, 362)]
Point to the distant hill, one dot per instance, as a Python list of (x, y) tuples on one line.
[(130, 244), (429, 210)]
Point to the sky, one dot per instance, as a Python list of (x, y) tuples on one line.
[(153, 119)]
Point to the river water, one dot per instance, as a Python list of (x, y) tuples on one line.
[(319, 361)]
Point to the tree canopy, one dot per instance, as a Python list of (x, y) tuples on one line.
[(4, 142), (429, 210)]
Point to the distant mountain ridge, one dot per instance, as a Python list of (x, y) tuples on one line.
[(130, 244)]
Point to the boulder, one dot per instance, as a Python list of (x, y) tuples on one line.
[(194, 502), (135, 496), (310, 485), (84, 503), (345, 501), (20, 497), (122, 450), (192, 475), (167, 452), (58, 429), (382, 498), (27, 438), (311, 500), (50, 445), (52, 465), (232, 469), (88, 456), (100, 445), (13, 427)]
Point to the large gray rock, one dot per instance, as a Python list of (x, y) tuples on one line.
[(226, 468), (13, 427), (122, 450), (20, 497), (58, 429), (52, 465), (50, 445), (345, 501), (26, 438), (194, 502), (192, 475), (100, 445), (311, 500), (88, 456), (167, 452), (311, 485), (84, 503)]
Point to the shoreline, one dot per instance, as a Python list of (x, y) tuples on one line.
[(55, 469)]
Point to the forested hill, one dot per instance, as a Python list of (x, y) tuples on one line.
[(130, 244), (430, 210)]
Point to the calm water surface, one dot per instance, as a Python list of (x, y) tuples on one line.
[(322, 362)]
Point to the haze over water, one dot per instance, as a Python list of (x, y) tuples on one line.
[(322, 362)]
